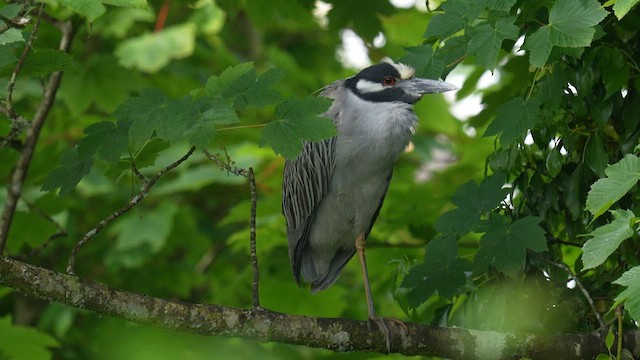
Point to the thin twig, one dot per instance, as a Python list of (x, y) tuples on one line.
[(573, 277), (61, 232), (255, 285), (144, 191), (18, 67), (134, 169), (228, 165), (14, 189)]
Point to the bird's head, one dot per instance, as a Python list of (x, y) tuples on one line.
[(393, 82)]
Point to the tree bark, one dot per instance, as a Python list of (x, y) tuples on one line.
[(265, 325)]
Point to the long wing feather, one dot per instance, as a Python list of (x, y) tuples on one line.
[(306, 180)]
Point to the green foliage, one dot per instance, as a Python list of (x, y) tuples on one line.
[(571, 24), (298, 120), (548, 168), (19, 342), (151, 52), (487, 39), (621, 177), (607, 238), (631, 295), (472, 202), (513, 120), (504, 244), (442, 271)]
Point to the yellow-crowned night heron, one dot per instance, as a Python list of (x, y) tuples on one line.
[(332, 192)]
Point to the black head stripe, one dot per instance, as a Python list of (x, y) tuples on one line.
[(376, 73)]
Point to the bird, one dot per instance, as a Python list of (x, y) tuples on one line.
[(333, 190)]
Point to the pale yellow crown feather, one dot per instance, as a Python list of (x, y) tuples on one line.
[(406, 71)]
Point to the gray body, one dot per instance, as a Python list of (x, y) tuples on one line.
[(332, 192), (353, 178)]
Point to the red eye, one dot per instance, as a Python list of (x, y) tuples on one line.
[(388, 81)]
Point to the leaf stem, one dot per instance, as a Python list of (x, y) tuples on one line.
[(242, 127)]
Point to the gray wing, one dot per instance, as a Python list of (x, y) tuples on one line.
[(306, 180)]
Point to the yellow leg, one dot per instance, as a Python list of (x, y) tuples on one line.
[(360, 245)]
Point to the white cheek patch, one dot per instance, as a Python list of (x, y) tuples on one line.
[(366, 86)]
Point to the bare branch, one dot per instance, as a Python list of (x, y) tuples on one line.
[(264, 325), (573, 277), (14, 189), (144, 191), (255, 285)]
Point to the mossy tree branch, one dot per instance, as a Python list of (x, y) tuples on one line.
[(265, 325)]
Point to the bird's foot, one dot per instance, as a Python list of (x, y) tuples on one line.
[(383, 325)]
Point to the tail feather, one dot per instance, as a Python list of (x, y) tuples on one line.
[(322, 275)]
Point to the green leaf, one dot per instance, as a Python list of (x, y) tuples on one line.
[(472, 201), (299, 119), (141, 235), (153, 113), (208, 17), (631, 295), (220, 112), (43, 62), (571, 24), (101, 82), (596, 156), (423, 59), (505, 244), (609, 339), (242, 83), (500, 5), (117, 22), (91, 9), (10, 10), (614, 70), (603, 357), (21, 342), (153, 51), (621, 177), (486, 40), (540, 45), (514, 119), (607, 238), (259, 93), (10, 36), (231, 82), (554, 162), (366, 23), (28, 228), (71, 170), (622, 7), (456, 14), (144, 157), (127, 3), (442, 271), (105, 139)]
